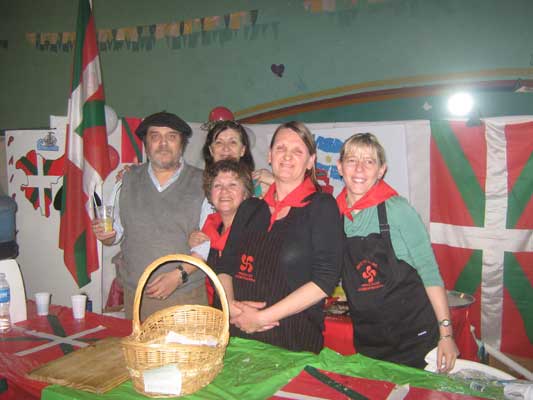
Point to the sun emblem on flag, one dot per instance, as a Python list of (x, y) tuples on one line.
[(327, 155)]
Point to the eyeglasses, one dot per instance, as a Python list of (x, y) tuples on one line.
[(366, 163)]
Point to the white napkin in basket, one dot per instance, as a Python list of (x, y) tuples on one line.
[(173, 337), (163, 380)]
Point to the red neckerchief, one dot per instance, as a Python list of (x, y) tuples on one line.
[(211, 225), (293, 199), (378, 193), (218, 241)]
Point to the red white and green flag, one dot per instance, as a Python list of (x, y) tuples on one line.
[(87, 162), (131, 150), (481, 213)]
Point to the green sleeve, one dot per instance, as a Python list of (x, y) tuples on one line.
[(410, 240)]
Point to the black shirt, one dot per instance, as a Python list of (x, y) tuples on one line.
[(312, 251)]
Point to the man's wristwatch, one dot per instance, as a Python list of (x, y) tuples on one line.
[(445, 322), (184, 274)]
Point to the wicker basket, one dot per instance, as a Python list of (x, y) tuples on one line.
[(145, 349)]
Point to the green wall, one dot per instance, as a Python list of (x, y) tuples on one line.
[(356, 47)]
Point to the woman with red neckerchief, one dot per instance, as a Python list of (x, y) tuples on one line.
[(227, 183), (390, 276), (283, 254)]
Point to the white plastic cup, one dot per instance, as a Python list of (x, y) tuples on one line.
[(78, 305), (42, 299), (105, 216)]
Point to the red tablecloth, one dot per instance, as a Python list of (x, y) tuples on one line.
[(308, 386), (463, 336), (338, 334), (39, 340), (21, 351)]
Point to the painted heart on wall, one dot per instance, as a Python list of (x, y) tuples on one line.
[(277, 69)]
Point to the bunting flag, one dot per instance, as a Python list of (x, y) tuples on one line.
[(87, 162), (331, 6), (143, 37), (482, 224)]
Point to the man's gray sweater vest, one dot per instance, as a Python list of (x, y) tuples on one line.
[(158, 223)]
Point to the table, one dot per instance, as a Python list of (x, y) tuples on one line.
[(255, 370), (338, 334), (39, 340), (252, 369)]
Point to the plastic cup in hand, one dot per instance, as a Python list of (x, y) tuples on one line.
[(78, 305), (105, 215), (42, 299)]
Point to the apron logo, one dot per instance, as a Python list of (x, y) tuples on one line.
[(369, 274), (247, 263), (246, 268), (368, 270)]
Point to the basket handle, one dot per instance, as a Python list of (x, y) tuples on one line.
[(183, 258)]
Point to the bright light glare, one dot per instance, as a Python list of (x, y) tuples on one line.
[(460, 104)]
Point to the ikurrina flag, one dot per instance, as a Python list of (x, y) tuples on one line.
[(482, 224), (87, 162)]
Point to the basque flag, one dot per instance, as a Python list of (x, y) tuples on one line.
[(87, 162), (482, 224)]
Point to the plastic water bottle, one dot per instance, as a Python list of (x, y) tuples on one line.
[(5, 319)]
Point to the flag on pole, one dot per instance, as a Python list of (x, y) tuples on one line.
[(87, 162)]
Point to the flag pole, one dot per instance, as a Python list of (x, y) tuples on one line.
[(98, 301)]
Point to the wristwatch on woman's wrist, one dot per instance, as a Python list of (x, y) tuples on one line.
[(445, 323), (184, 274)]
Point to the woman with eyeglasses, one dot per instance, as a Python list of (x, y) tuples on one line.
[(395, 293)]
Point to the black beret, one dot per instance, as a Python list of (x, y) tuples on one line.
[(164, 119)]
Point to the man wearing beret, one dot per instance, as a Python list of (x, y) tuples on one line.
[(159, 207)]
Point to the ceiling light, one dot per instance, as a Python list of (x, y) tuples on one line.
[(460, 104)]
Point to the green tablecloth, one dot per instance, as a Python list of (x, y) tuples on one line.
[(254, 370)]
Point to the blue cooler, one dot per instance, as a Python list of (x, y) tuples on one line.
[(8, 243)]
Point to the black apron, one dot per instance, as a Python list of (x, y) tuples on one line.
[(261, 277), (392, 315)]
